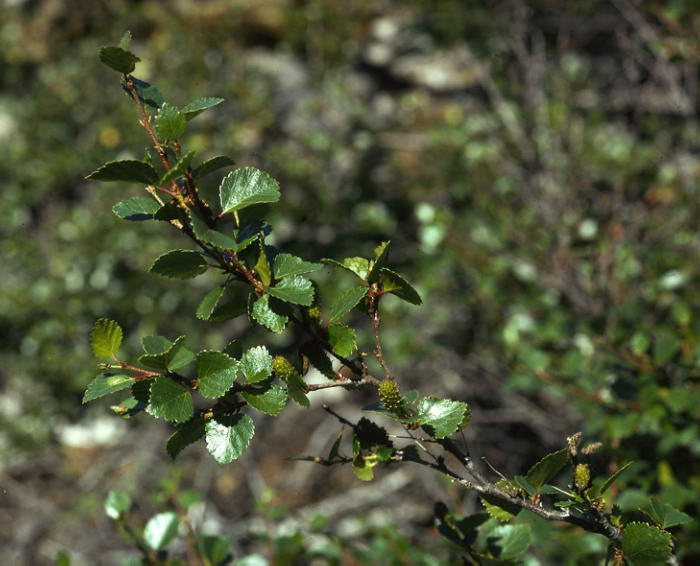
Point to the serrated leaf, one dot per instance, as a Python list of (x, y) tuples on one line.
[(105, 338), (160, 530), (211, 165), (666, 515), (345, 302), (105, 384), (393, 283), (645, 545), (510, 542), (547, 468), (170, 401), (232, 304), (170, 211), (125, 41), (200, 105), (296, 389), (141, 391), (216, 373), (271, 401), (170, 122), (439, 417), (177, 170), (286, 265), (228, 437), (343, 339), (179, 264), (186, 434), (381, 255), (295, 289), (606, 485), (119, 59), (209, 235), (500, 509), (128, 170), (263, 314), (136, 208), (245, 187), (149, 95), (117, 503), (209, 302), (358, 266), (256, 364), (173, 357)]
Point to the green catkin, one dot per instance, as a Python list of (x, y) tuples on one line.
[(283, 368), (582, 476), (390, 396)]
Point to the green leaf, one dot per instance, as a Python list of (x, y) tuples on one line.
[(232, 304), (170, 122), (358, 266), (117, 503), (209, 235), (296, 389), (160, 530), (119, 59), (294, 289), (342, 339), (172, 357), (547, 468), (186, 434), (125, 41), (245, 187), (209, 302), (234, 349), (393, 283), (105, 384), (335, 449), (645, 545), (262, 266), (263, 314), (345, 302), (256, 364), (177, 170), (216, 373), (500, 509), (381, 254), (180, 264), (608, 482), (362, 469), (149, 95), (666, 515), (200, 105), (170, 211), (440, 417), (228, 437), (525, 485), (512, 541), (287, 264), (105, 338), (270, 401), (170, 401), (211, 165), (666, 346), (215, 549), (318, 358), (136, 208), (129, 170)]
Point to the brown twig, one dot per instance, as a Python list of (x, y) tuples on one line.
[(373, 311)]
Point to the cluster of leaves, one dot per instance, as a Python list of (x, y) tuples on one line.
[(271, 288)]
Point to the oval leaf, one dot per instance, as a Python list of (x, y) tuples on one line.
[(288, 264), (136, 208), (440, 417), (160, 530), (105, 338), (547, 468), (645, 545), (295, 289), (345, 302), (216, 373), (270, 401), (211, 165), (256, 364), (180, 264), (119, 59), (392, 282), (129, 170), (185, 435), (343, 339), (200, 105), (263, 314), (245, 187), (170, 401), (170, 122), (105, 384), (228, 437)]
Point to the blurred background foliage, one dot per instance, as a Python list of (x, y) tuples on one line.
[(535, 164)]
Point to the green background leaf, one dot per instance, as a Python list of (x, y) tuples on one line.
[(160, 530), (117, 503)]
